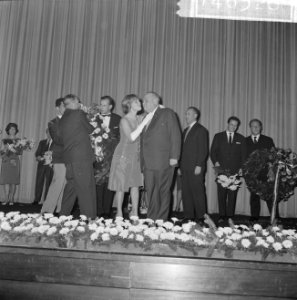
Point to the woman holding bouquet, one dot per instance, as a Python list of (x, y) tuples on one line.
[(10, 168), (125, 173)]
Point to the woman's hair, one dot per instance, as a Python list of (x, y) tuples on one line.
[(127, 102), (12, 125)]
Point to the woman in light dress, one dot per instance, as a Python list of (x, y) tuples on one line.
[(125, 172)]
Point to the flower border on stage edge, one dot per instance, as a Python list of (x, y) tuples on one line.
[(144, 233)]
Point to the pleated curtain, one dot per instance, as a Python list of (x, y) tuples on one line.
[(49, 48)]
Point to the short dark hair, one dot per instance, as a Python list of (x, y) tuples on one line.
[(72, 97), (12, 125), (196, 111), (233, 118), (110, 99), (256, 120), (59, 101)]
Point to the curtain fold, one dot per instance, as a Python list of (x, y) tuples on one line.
[(49, 48)]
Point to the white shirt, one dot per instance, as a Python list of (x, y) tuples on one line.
[(49, 143), (255, 136), (228, 134), (106, 121), (189, 128)]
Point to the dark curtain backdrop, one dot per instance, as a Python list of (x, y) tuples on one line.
[(95, 47)]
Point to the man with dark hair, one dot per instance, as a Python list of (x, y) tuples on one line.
[(228, 152), (254, 142), (44, 173), (78, 157), (107, 104), (193, 166), (102, 168), (160, 151), (53, 200)]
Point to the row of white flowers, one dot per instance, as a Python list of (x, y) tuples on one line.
[(144, 232)]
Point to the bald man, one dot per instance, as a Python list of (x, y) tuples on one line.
[(160, 151)]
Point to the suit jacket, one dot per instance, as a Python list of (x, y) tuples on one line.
[(74, 129), (161, 141), (43, 146), (195, 148), (114, 126), (57, 143), (230, 156), (264, 142)]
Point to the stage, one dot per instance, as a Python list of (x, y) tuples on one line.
[(45, 257), (37, 273)]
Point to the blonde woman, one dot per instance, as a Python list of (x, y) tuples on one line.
[(125, 173)]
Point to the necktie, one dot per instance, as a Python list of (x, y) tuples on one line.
[(255, 140), (230, 138), (187, 132)]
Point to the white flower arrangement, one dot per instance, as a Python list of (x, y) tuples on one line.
[(17, 146), (144, 233), (229, 182)]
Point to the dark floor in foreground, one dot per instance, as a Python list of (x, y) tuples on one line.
[(238, 219)]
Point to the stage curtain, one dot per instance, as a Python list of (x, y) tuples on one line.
[(49, 48)]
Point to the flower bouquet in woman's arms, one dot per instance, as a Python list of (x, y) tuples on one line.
[(226, 180), (16, 146)]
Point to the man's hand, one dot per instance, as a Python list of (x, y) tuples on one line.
[(172, 162), (217, 164), (179, 173), (197, 170)]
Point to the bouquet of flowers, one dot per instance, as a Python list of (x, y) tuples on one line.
[(17, 146), (101, 133), (48, 157), (226, 180), (102, 141)]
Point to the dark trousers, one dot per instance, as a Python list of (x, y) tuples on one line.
[(227, 202), (44, 178), (255, 203), (104, 199), (193, 195), (81, 185), (158, 188)]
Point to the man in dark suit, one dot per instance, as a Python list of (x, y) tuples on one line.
[(193, 166), (160, 151), (78, 157), (228, 152), (254, 142), (54, 197), (102, 168), (44, 172)]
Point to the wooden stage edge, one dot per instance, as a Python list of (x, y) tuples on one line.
[(44, 273)]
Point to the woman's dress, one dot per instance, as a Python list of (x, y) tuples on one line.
[(10, 167), (125, 166)]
